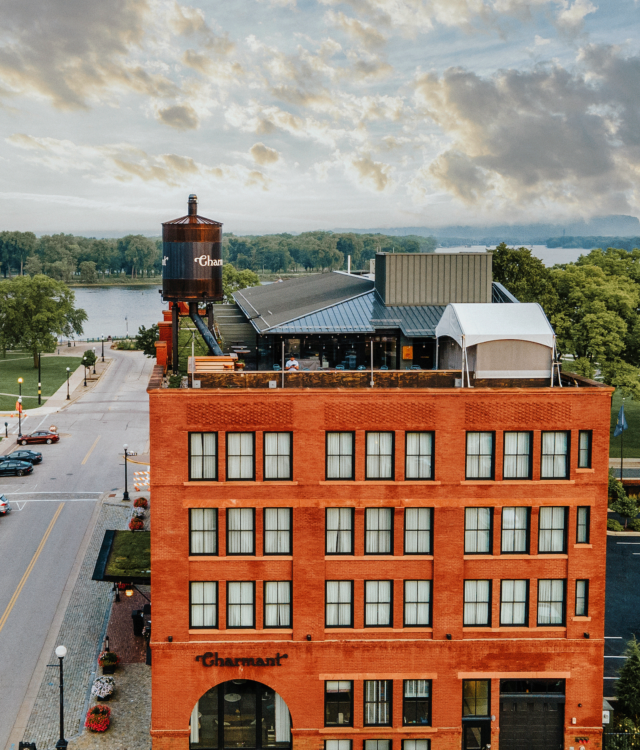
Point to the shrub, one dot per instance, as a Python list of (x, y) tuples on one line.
[(635, 524), (107, 658), (98, 718), (125, 345), (613, 525), (136, 524), (103, 686), (175, 381), (140, 502)]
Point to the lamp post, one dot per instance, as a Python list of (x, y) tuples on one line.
[(61, 744), (68, 370), (20, 381), (126, 492), (94, 360), (39, 381), (102, 337), (84, 362)]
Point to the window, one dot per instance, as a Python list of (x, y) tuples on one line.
[(551, 535), (477, 598), (582, 598), (337, 745), (339, 523), (277, 531), (515, 530), (517, 455), (241, 531), (417, 603), (203, 531), (582, 528), (378, 601), (416, 744), (277, 604), (477, 531), (240, 454), (476, 696), (513, 602), (339, 604), (378, 531), (340, 455), (479, 455), (338, 703), (584, 449), (551, 602), (377, 702), (555, 455), (241, 604), (416, 704), (277, 455), (417, 531), (204, 604), (379, 455), (419, 455), (377, 745), (203, 455)]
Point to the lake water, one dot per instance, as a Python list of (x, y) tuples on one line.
[(548, 255)]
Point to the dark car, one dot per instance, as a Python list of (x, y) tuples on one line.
[(30, 456), (41, 436), (15, 467)]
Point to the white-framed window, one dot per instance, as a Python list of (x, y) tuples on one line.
[(337, 744), (377, 745), (582, 528), (551, 602), (379, 463), (582, 598), (551, 534), (515, 530), (203, 531), (203, 455), (204, 604), (241, 531), (477, 603), (277, 531), (517, 455), (277, 604), (340, 450), (241, 456), (555, 455), (416, 744), (277, 456), (339, 531), (378, 603), (339, 604), (417, 603), (513, 602), (419, 455), (584, 449), (477, 531), (479, 455), (377, 702), (417, 531), (241, 604), (378, 531)]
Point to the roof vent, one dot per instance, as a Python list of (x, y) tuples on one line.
[(193, 205)]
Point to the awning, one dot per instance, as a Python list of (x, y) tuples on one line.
[(478, 323)]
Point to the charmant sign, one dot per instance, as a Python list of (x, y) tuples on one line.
[(207, 260), (210, 659)]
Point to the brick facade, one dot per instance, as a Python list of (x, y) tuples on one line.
[(445, 652)]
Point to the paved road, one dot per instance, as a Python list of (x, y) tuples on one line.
[(40, 538)]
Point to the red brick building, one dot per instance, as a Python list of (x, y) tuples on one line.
[(413, 566)]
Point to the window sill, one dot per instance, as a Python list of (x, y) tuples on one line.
[(384, 729), (580, 618), (239, 482), (583, 546), (228, 631), (585, 471), (509, 556), (492, 482), (379, 630), (374, 482), (378, 557), (214, 558), (513, 629)]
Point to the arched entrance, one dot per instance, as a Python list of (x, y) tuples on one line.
[(240, 714)]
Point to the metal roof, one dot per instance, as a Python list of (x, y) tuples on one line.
[(500, 293), (366, 314), (192, 219)]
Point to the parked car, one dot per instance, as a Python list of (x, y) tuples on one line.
[(41, 436), (31, 457), (15, 467), (4, 506)]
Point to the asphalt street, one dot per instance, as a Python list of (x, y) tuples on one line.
[(52, 508)]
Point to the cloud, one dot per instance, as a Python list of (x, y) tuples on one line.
[(264, 155), (369, 173), (187, 21), (360, 32), (179, 116), (570, 19)]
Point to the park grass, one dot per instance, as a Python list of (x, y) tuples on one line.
[(632, 435), (20, 365)]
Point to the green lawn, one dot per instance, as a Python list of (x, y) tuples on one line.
[(632, 435), (20, 365)]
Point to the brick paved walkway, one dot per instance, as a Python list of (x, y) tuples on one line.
[(130, 648), (81, 632)]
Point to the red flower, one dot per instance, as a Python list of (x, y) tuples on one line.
[(136, 524), (98, 718), (140, 502)]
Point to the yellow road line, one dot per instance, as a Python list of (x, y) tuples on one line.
[(27, 572), (84, 460)]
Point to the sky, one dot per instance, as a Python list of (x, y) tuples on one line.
[(296, 115)]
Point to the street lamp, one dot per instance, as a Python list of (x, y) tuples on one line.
[(102, 337), (126, 492), (84, 362), (94, 360), (61, 744), (68, 370), (20, 382), (39, 380)]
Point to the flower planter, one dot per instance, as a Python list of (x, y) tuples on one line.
[(104, 697), (109, 668), (98, 718)]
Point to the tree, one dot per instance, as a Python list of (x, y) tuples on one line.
[(147, 338), (138, 253), (89, 357), (233, 280), (628, 684), (35, 311), (525, 276), (619, 501), (33, 266), (88, 273)]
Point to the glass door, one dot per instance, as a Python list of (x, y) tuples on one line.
[(239, 714), (476, 735)]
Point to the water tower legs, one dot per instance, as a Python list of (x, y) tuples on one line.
[(175, 320)]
